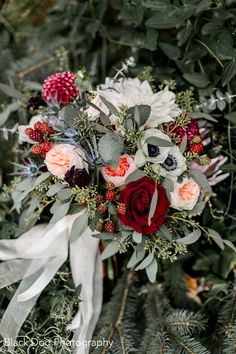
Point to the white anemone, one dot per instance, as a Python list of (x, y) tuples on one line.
[(150, 152), (173, 165)]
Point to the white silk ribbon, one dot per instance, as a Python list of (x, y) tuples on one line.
[(34, 258)]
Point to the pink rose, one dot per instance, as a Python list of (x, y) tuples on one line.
[(185, 194), (62, 157), (118, 175)]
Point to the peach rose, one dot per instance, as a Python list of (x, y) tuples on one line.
[(62, 157), (118, 175), (185, 194)]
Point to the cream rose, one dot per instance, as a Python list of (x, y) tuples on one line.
[(118, 175), (62, 157), (185, 194)]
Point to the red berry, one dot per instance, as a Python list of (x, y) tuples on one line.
[(46, 146), (110, 186), (43, 154), (28, 131), (37, 126), (121, 209), (110, 195), (44, 127), (51, 131), (35, 135), (36, 149), (109, 226), (99, 198), (101, 209), (196, 148)]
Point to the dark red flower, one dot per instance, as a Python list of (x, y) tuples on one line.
[(137, 197)]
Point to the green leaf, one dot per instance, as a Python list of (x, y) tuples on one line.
[(229, 72), (153, 206), (201, 180), (191, 238), (132, 13), (54, 189), (146, 262), (134, 176), (171, 51), (64, 194), (42, 178), (4, 115), (153, 140), (172, 18), (10, 91), (216, 238), (230, 244), (111, 249), (109, 105), (229, 167), (110, 148), (203, 115), (60, 212), (69, 113), (112, 209), (198, 208), (197, 79), (151, 271), (183, 144), (142, 115), (202, 6), (165, 232), (79, 226), (137, 237), (231, 117), (158, 5)]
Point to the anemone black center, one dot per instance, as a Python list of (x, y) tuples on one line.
[(153, 150), (170, 163)]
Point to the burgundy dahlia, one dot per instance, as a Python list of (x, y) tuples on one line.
[(60, 87), (191, 130), (77, 177)]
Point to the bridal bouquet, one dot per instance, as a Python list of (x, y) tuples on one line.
[(124, 164), (130, 157)]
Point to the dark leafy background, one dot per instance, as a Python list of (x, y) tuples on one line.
[(192, 42)]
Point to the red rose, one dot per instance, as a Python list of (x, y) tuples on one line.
[(137, 197)]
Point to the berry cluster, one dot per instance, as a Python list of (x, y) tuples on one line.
[(196, 146), (104, 222), (40, 134)]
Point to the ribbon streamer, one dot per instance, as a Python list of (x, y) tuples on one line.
[(34, 258)]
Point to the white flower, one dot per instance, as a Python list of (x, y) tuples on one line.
[(185, 194), (173, 165), (23, 137), (150, 152), (130, 92)]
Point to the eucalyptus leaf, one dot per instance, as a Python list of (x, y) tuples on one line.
[(230, 244), (109, 105), (153, 140), (198, 208), (151, 271), (146, 262), (60, 212), (112, 209), (54, 189), (183, 144), (153, 206), (42, 178), (197, 79), (201, 180), (191, 238), (137, 237), (110, 148), (111, 249), (203, 115), (64, 194), (79, 226), (216, 237), (165, 231), (134, 176), (140, 113)]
